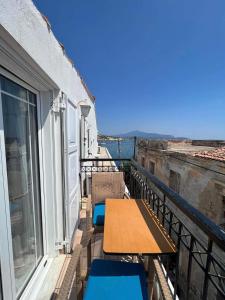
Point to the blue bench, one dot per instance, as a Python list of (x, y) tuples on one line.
[(115, 280), (99, 214)]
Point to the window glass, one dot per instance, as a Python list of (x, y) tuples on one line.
[(21, 143), (1, 296), (13, 88), (32, 97)]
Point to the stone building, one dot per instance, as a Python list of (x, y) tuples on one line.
[(194, 169)]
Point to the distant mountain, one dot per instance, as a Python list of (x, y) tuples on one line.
[(150, 135)]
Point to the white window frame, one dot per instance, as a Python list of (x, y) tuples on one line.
[(6, 254)]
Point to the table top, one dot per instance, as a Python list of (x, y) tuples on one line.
[(131, 227)]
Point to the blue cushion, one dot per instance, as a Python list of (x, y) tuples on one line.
[(115, 280), (99, 214)]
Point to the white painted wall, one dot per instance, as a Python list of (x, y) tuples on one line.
[(27, 26), (29, 50)]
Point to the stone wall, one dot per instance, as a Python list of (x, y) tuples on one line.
[(209, 143), (202, 181), (199, 181)]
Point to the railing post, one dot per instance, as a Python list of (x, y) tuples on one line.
[(153, 201), (189, 266), (142, 190), (143, 184), (164, 209), (170, 222), (177, 261), (157, 206), (207, 268), (131, 182)]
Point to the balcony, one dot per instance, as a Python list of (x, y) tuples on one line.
[(197, 271)]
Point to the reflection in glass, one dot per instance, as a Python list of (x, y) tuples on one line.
[(1, 296), (20, 129)]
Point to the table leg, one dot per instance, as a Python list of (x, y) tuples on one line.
[(151, 276), (146, 263)]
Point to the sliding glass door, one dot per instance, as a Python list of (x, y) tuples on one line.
[(19, 108), (1, 297)]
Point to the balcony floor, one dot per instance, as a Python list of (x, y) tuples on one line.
[(92, 243)]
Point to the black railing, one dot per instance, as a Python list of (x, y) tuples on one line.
[(198, 272)]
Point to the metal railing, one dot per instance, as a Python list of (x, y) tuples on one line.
[(198, 272)]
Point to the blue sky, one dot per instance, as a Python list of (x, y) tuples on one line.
[(153, 65)]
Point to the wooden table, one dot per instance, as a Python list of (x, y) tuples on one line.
[(132, 228)]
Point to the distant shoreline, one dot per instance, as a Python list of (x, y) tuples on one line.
[(110, 138)]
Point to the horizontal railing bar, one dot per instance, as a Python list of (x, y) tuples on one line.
[(213, 231), (188, 234), (104, 159), (216, 275), (144, 184)]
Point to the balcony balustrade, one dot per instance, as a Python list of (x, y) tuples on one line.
[(197, 271)]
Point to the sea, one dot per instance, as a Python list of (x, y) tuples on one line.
[(119, 149)]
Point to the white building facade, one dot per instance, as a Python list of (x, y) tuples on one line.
[(43, 135)]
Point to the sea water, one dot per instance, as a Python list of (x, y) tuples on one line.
[(119, 149)]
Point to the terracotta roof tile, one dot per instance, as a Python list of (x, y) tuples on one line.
[(216, 154)]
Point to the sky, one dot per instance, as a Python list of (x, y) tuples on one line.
[(153, 65)]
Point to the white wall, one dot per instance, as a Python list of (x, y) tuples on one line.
[(38, 46), (29, 50), (26, 24)]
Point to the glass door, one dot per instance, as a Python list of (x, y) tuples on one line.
[(1, 297), (19, 109)]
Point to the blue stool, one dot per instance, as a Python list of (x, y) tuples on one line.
[(99, 214), (115, 280)]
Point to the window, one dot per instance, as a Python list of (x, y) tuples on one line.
[(143, 161), (1, 296), (19, 110), (174, 181), (222, 219), (152, 167)]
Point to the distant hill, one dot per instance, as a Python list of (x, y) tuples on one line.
[(150, 135)]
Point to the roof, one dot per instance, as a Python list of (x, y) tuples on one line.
[(216, 154)]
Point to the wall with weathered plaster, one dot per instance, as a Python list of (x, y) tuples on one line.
[(202, 184), (202, 180)]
